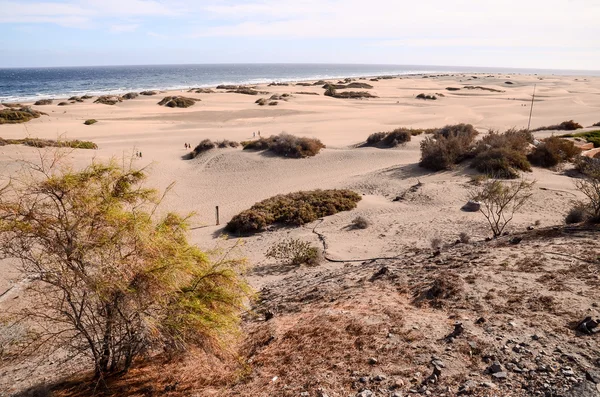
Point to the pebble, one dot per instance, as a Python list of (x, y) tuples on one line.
[(489, 385), (365, 393), (373, 361), (500, 375)]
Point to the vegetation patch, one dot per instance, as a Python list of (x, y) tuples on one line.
[(552, 152), (453, 88), (306, 93), (207, 145), (19, 115), (130, 95), (287, 145), (108, 99), (503, 155), (87, 97), (389, 139), (293, 209), (295, 252), (63, 104), (590, 136), (568, 125), (41, 143), (331, 91), (423, 96), (90, 122), (447, 147), (478, 87), (178, 102), (201, 90), (75, 99), (43, 102), (148, 93)]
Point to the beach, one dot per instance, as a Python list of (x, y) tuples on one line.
[(234, 179)]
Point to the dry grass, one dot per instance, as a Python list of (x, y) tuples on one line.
[(568, 125), (553, 151), (41, 143), (108, 99), (449, 146)]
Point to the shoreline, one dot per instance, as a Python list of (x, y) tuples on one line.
[(266, 82)]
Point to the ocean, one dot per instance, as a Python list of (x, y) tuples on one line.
[(30, 84)]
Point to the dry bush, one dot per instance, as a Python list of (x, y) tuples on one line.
[(178, 102), (445, 287), (389, 139), (202, 147), (436, 243), (43, 102), (552, 152), (590, 187), (15, 115), (287, 145), (244, 90), (90, 121), (579, 213), (569, 125), (107, 100), (464, 237), (500, 201), (478, 87), (587, 165), (262, 101), (423, 96), (502, 163), (293, 209), (503, 155), (148, 93), (453, 88), (449, 146), (360, 222), (227, 143), (130, 95), (295, 252)]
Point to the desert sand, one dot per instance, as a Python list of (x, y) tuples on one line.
[(234, 179)]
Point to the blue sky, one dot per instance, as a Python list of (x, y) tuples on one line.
[(552, 34)]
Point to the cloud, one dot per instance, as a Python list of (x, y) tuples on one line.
[(124, 28)]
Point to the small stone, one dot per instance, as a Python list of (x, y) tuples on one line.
[(373, 361), (365, 393), (438, 363), (500, 375), (304, 394), (489, 385), (379, 378), (396, 394), (495, 367), (363, 379)]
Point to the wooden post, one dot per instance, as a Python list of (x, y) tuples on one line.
[(217, 214), (531, 110)]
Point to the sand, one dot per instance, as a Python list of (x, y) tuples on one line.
[(234, 179)]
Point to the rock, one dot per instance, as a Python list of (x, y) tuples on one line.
[(396, 394), (363, 379), (471, 206), (489, 385), (495, 367), (373, 361), (43, 102), (304, 394), (583, 389), (438, 363), (379, 377), (148, 93), (130, 95), (480, 320), (515, 240), (500, 375), (593, 376), (365, 393), (588, 326)]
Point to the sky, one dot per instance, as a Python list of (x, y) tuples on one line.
[(548, 34)]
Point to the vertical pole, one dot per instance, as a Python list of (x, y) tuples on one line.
[(531, 110), (217, 214)]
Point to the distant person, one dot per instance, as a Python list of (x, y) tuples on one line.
[(254, 135), (259, 133)]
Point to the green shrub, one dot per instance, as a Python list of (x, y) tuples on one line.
[(552, 152), (293, 209), (90, 122), (596, 124), (569, 125), (449, 146), (589, 136), (15, 115), (287, 145), (295, 252)]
